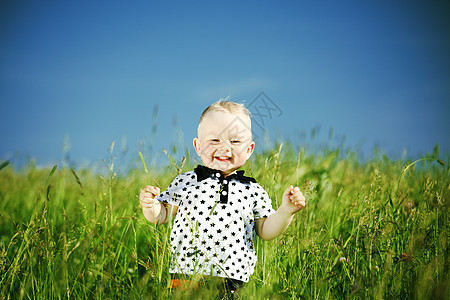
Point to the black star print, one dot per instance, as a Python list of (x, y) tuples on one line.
[(226, 233)]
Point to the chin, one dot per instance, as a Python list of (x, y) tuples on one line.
[(222, 166)]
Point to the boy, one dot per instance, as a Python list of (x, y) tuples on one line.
[(216, 208)]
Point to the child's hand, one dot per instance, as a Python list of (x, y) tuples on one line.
[(148, 195), (293, 199)]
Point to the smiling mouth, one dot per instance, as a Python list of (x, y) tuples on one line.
[(222, 158)]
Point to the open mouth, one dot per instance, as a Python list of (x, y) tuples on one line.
[(222, 158)]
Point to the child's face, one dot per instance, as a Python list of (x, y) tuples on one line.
[(224, 141)]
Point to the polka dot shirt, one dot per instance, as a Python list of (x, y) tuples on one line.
[(213, 230)]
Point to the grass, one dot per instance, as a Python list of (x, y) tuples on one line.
[(376, 229)]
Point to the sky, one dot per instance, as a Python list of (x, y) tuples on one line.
[(76, 76)]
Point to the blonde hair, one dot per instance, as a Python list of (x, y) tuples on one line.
[(226, 106)]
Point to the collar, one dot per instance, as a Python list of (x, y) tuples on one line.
[(205, 172)]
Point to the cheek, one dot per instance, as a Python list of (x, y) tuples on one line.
[(205, 157), (208, 151), (241, 154)]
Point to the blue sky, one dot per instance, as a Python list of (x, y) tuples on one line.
[(92, 72)]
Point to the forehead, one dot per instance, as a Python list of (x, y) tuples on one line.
[(221, 123)]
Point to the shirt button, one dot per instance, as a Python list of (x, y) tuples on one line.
[(224, 193), (225, 182), (217, 175)]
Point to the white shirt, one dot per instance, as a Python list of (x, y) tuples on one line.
[(214, 227)]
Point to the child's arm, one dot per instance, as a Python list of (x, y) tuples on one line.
[(154, 211), (274, 225)]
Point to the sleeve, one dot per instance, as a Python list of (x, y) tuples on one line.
[(175, 192), (262, 207)]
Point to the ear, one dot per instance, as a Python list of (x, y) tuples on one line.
[(196, 143), (250, 149)]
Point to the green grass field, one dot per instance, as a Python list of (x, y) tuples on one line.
[(372, 229)]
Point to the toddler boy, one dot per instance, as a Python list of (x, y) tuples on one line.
[(216, 208)]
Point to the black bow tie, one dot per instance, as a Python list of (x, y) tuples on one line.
[(205, 172)]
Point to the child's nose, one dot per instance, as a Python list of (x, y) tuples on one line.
[(225, 145)]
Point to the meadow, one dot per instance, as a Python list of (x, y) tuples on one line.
[(376, 228)]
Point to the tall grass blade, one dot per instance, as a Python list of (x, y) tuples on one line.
[(145, 167), (4, 164), (50, 175)]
